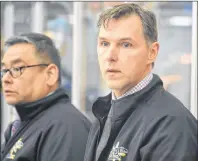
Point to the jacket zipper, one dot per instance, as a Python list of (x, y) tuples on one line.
[(112, 113)]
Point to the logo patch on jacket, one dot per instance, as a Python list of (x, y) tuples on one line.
[(118, 153), (17, 146)]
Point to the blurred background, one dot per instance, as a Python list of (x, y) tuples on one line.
[(72, 26)]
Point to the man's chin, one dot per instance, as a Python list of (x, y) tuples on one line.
[(113, 85), (11, 101)]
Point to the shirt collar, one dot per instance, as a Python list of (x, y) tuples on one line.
[(142, 84)]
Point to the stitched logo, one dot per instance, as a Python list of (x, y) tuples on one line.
[(17, 146), (118, 153)]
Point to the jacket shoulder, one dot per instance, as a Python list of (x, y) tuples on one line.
[(163, 104), (63, 112)]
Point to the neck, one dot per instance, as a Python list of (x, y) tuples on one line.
[(119, 92)]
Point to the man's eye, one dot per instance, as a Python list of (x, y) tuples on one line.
[(4, 70), (126, 44), (16, 69), (104, 43)]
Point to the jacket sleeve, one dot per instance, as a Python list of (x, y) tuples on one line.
[(63, 142), (171, 138)]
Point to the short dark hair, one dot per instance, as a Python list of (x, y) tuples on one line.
[(147, 17), (45, 48)]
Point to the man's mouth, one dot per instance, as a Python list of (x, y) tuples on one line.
[(112, 71), (9, 92)]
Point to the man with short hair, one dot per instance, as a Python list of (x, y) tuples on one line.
[(50, 128), (138, 120)]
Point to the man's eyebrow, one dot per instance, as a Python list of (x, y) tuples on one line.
[(13, 62), (102, 38), (121, 39), (126, 38), (16, 61), (2, 64)]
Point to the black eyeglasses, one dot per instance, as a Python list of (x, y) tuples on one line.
[(17, 71)]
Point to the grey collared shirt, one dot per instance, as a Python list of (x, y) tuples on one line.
[(143, 83)]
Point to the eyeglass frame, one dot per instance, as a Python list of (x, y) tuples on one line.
[(4, 71)]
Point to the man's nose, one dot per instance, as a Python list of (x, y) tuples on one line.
[(112, 53), (7, 78)]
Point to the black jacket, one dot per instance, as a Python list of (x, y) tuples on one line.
[(150, 125), (52, 129)]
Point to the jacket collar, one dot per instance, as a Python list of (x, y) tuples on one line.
[(28, 110), (123, 106)]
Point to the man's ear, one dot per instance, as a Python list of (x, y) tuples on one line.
[(52, 74), (153, 52)]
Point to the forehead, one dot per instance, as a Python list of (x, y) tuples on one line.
[(21, 52), (130, 26)]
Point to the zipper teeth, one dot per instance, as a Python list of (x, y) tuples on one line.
[(14, 139)]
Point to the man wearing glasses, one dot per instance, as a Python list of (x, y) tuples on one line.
[(50, 128)]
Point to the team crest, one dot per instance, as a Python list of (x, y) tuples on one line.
[(17, 146), (118, 153)]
